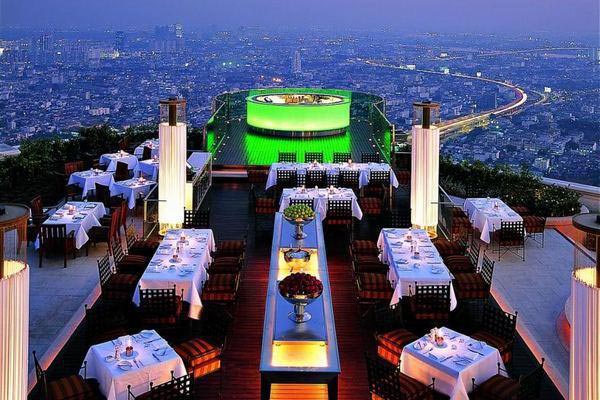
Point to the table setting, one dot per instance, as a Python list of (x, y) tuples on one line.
[(132, 188), (332, 169), (87, 180), (181, 259), (79, 217), (412, 257), (134, 360), (152, 143), (148, 168), (111, 159), (452, 358), (321, 197), (486, 214)]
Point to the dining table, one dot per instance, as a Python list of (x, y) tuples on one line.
[(187, 270), (152, 143), (111, 159), (87, 180), (152, 360), (453, 361), (332, 169), (487, 215), (320, 198), (147, 168), (79, 217), (412, 259), (132, 189)]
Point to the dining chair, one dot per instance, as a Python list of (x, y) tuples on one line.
[(284, 156), (316, 177), (160, 308), (73, 166), (307, 202), (147, 153), (510, 238), (399, 219), (286, 178), (74, 386), (460, 263), (55, 239), (221, 289), (386, 382), (122, 171), (349, 179), (114, 286), (341, 157), (105, 234), (104, 323), (475, 285), (128, 263), (535, 227), (137, 246), (198, 219), (430, 303), (391, 333), (370, 158), (500, 386), (181, 388), (312, 156), (498, 328)]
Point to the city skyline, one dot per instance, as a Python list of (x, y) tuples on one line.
[(514, 16)]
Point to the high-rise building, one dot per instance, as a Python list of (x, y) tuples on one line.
[(296, 63), (119, 41)]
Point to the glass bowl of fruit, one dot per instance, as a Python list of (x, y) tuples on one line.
[(299, 214), (300, 289)]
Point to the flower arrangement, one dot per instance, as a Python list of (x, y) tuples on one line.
[(300, 284)]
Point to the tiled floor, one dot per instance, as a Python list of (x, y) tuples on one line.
[(538, 289)]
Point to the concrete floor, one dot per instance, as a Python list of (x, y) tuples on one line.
[(538, 289)]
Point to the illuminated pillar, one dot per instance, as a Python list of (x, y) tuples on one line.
[(584, 371), (424, 181), (172, 133), (14, 302)]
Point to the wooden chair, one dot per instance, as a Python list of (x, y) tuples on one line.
[(129, 264), (341, 157), (498, 329), (349, 179), (461, 263), (430, 303), (316, 177), (102, 194), (199, 219), (105, 234), (535, 227), (66, 388), (386, 382), (286, 157), (124, 144), (286, 178), (510, 238), (391, 335), (104, 323), (38, 214), (122, 171), (500, 387), (136, 246), (370, 158), (307, 202), (181, 388), (310, 157), (115, 286), (147, 153), (73, 166), (202, 355), (55, 239), (160, 308), (475, 285)]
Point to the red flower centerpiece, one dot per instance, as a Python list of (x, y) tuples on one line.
[(300, 289)]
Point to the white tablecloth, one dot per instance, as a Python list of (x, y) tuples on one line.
[(131, 189), (149, 168), (333, 169), (151, 366), (111, 159), (451, 378), (86, 216), (152, 143), (485, 216), (195, 257), (321, 199), (405, 269), (87, 180)]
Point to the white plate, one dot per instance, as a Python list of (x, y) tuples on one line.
[(146, 334), (110, 359), (125, 365)]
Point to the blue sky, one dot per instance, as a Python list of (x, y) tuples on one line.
[(510, 16)]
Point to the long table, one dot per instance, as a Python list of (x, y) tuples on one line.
[(304, 354)]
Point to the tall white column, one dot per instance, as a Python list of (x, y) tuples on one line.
[(424, 181), (172, 174)]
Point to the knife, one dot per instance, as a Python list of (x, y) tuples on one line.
[(153, 340), (474, 351), (155, 356)]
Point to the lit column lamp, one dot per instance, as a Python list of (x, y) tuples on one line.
[(14, 302), (172, 132), (584, 371), (425, 165)]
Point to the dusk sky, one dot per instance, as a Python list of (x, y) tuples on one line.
[(555, 16)]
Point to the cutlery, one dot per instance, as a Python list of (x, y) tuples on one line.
[(136, 363), (153, 340), (155, 356), (474, 351)]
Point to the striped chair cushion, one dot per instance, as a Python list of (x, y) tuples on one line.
[(403, 177), (431, 315), (264, 205), (471, 286), (372, 267), (134, 259), (218, 296), (521, 210), (373, 281), (166, 319), (144, 248), (338, 221), (231, 247), (225, 265), (412, 388), (390, 344), (449, 248), (503, 346), (459, 264), (220, 282), (534, 224), (498, 387), (376, 295), (364, 247), (71, 387), (121, 282), (367, 258), (370, 205), (197, 352), (458, 213)]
